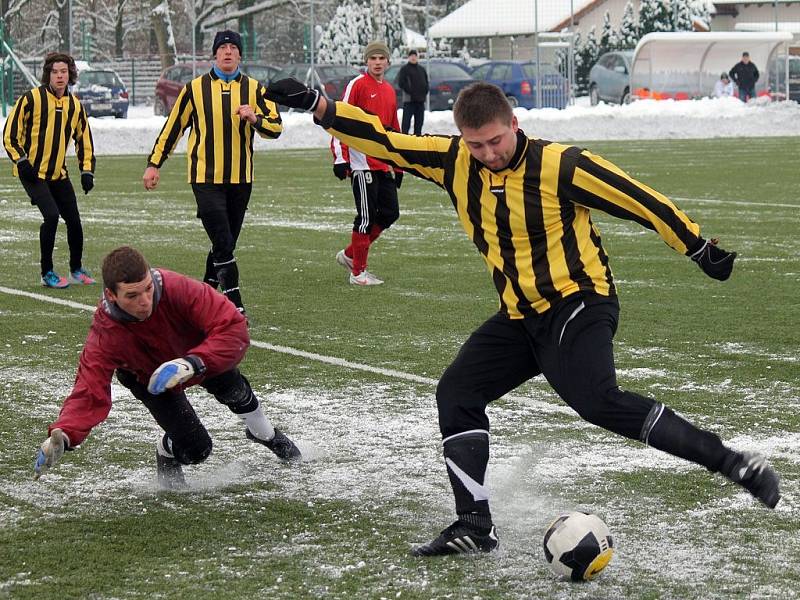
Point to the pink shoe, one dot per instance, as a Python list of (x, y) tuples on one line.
[(81, 277)]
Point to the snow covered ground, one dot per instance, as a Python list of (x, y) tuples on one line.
[(646, 119)]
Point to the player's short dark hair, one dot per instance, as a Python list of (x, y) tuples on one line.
[(481, 103), (124, 265), (54, 57)]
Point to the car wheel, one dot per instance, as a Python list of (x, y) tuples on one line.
[(626, 96), (594, 95), (512, 101), (158, 107)]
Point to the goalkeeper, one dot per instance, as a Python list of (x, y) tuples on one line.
[(161, 332), (526, 204)]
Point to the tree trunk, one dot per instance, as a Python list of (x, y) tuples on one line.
[(162, 26), (118, 30), (64, 31)]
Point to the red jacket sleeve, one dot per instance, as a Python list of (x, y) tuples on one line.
[(89, 402)]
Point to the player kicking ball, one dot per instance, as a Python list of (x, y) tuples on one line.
[(526, 204), (161, 332)]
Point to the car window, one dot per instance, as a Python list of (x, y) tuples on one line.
[(607, 61), (481, 72), (501, 72), (448, 71), (794, 68), (619, 64), (104, 78), (391, 73), (529, 70)]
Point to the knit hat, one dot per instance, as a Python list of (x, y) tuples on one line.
[(412, 51), (226, 37), (377, 48)]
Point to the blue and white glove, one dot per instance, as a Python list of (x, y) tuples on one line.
[(51, 450), (170, 374)]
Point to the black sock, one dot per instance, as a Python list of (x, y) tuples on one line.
[(672, 433), (467, 457)]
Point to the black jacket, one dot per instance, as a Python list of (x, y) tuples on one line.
[(413, 80), (744, 75)]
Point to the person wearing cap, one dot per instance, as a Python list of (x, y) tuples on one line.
[(745, 75), (223, 109), (413, 80), (375, 183), (724, 87)]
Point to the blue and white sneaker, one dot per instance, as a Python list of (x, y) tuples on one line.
[(52, 279), (81, 277)]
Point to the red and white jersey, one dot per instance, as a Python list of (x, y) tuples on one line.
[(377, 98)]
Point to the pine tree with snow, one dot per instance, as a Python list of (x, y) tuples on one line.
[(683, 13), (589, 53), (628, 35), (608, 37), (654, 15), (388, 24), (701, 12), (347, 34)]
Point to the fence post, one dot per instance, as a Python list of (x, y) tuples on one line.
[(133, 82)]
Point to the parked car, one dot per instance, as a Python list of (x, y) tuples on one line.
[(446, 80), (171, 82), (263, 72), (102, 93), (517, 79), (331, 80), (609, 78)]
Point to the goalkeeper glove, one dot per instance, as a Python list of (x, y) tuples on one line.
[(293, 94), (26, 171), (50, 452), (715, 262), (172, 373), (341, 170), (87, 182)]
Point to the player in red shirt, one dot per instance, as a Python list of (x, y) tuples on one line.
[(375, 184), (161, 332)]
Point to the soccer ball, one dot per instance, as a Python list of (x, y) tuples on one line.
[(578, 545)]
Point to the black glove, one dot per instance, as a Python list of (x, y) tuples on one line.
[(341, 170), (398, 179), (26, 171), (714, 261), (87, 182), (293, 94)]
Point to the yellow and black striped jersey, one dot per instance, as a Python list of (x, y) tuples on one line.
[(40, 127), (531, 221), (220, 148)]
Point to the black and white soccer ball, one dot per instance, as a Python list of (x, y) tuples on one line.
[(578, 545)]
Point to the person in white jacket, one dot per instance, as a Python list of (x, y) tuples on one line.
[(724, 87)]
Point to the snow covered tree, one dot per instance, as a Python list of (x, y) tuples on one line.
[(347, 34), (608, 37), (162, 26), (654, 15), (388, 24), (682, 15), (701, 12), (585, 57), (628, 35)]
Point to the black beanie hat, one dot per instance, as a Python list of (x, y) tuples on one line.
[(226, 37)]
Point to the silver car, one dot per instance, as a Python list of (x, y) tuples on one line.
[(609, 78)]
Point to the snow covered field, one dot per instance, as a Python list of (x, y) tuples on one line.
[(646, 119)]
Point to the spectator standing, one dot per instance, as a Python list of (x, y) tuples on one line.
[(36, 137), (745, 75), (374, 187), (724, 87), (413, 80), (223, 110)]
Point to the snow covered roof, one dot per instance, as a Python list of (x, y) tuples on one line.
[(412, 39), (486, 18), (791, 26)]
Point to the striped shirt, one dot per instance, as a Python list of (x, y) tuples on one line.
[(220, 146), (40, 127), (532, 220)]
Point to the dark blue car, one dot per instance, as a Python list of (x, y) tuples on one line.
[(102, 93), (517, 79)]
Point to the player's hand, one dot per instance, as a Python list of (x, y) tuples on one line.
[(246, 113), (341, 170), (49, 453), (398, 179), (150, 178), (170, 374), (87, 182), (714, 261), (293, 94), (26, 171)]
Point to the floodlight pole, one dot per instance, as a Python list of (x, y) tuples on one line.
[(571, 60), (538, 62), (427, 55)]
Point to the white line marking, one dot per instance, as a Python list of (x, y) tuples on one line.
[(736, 202), (330, 360)]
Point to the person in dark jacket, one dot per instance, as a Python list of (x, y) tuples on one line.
[(161, 332), (744, 75), (413, 80)]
